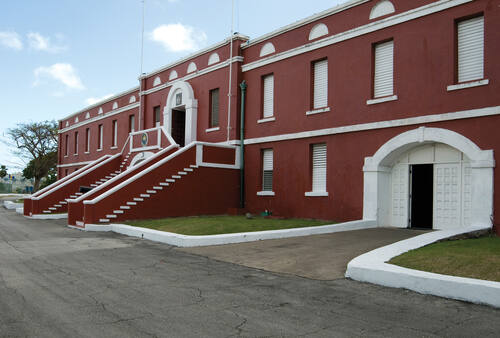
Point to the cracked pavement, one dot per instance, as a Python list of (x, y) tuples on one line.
[(59, 282)]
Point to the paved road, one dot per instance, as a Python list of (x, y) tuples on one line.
[(58, 282), (323, 257)]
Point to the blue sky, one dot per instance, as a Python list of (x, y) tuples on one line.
[(59, 56)]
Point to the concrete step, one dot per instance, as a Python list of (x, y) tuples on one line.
[(118, 172), (145, 195), (118, 211), (193, 166), (182, 173), (108, 177), (163, 184), (78, 193), (57, 205), (103, 180), (53, 209), (151, 191), (80, 223), (125, 207), (111, 216), (131, 203), (157, 188), (113, 174), (170, 180), (73, 196), (63, 202), (93, 185), (188, 169), (137, 199), (176, 176), (47, 212), (104, 220)]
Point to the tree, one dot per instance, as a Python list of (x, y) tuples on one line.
[(37, 143), (3, 171)]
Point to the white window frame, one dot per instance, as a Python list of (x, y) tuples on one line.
[(320, 84), (267, 97), (319, 172), (267, 165), (470, 49), (383, 74)]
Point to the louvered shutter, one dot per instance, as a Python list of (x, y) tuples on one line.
[(267, 166), (320, 84), (214, 116), (319, 168), (384, 69), (268, 96), (471, 49)]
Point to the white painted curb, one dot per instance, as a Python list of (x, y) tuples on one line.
[(48, 216), (20, 210), (9, 205), (371, 267), (192, 241)]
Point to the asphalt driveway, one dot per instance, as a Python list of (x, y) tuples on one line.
[(58, 282)]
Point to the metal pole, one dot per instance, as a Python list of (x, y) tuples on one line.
[(243, 87), (142, 61), (229, 93)]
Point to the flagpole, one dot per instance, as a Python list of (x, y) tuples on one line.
[(141, 73), (229, 94)]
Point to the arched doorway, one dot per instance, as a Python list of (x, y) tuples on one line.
[(429, 177), (180, 114)]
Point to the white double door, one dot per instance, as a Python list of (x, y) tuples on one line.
[(451, 195)]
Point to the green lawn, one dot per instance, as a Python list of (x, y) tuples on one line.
[(213, 225), (474, 258)]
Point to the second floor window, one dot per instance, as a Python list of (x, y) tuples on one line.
[(268, 96), (131, 123), (470, 43), (115, 133), (87, 140), (320, 84), (76, 143), (100, 134), (66, 145), (214, 108), (383, 76), (156, 116)]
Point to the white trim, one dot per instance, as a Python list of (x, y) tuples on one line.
[(318, 111), (265, 193), (316, 194), (303, 22), (268, 119), (468, 85), (137, 150), (209, 130), (74, 164), (192, 76), (465, 114), (372, 267), (114, 147), (101, 117), (196, 54), (48, 216), (100, 103), (193, 241), (397, 19), (382, 99)]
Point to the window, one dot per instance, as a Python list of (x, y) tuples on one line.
[(131, 123), (268, 96), (214, 108), (318, 164), (156, 116), (66, 144), (115, 133), (470, 43), (66, 172), (87, 140), (267, 171), (76, 143), (99, 143), (320, 84), (383, 84)]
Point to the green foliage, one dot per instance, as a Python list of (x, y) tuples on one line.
[(3, 171)]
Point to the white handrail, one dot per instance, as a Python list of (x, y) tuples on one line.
[(78, 176), (169, 137), (123, 148), (116, 178), (39, 192)]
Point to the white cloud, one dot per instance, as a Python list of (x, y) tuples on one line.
[(62, 72), (39, 42), (11, 40), (93, 100), (178, 37)]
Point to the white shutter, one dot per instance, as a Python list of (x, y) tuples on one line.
[(400, 177), (320, 84), (267, 166), (447, 196), (268, 96), (319, 168), (471, 49), (384, 69)]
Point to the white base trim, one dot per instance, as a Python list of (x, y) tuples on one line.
[(316, 193), (382, 99), (193, 241), (468, 85), (267, 119), (265, 193), (48, 216), (371, 267), (9, 205), (318, 111)]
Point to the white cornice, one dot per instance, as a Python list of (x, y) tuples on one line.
[(464, 114), (196, 54), (358, 31), (193, 75), (100, 117), (308, 20)]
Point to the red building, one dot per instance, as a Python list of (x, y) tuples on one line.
[(383, 110)]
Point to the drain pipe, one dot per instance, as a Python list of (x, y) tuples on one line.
[(243, 87)]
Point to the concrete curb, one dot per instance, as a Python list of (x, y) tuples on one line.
[(9, 205), (192, 241), (48, 216), (20, 210), (371, 267)]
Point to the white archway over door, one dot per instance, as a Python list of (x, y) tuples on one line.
[(181, 95), (382, 169)]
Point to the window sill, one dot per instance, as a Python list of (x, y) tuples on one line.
[(75, 154), (87, 152), (318, 111), (382, 99), (65, 156), (316, 194), (468, 85), (267, 119), (115, 147), (209, 130), (265, 193), (99, 149)]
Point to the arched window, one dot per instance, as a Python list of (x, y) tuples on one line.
[(173, 75), (214, 58), (192, 67), (317, 31), (267, 49), (157, 81), (382, 8)]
